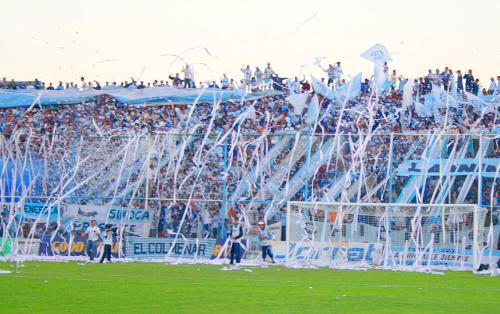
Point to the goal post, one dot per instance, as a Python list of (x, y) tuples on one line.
[(416, 237)]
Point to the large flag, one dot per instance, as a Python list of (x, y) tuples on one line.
[(443, 99), (321, 88), (298, 102), (425, 109), (480, 105), (313, 110), (377, 54), (349, 90), (408, 94)]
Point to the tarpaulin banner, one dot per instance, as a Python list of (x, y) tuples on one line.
[(331, 251), (41, 211), (441, 256), (136, 221), (445, 167), (27, 97)]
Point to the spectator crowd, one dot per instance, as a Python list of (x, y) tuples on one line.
[(54, 130)]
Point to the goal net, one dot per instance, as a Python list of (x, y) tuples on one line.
[(395, 236)]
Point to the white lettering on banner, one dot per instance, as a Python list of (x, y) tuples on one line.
[(350, 252), (136, 221), (458, 167), (118, 214), (440, 256), (137, 229), (138, 247), (279, 249)]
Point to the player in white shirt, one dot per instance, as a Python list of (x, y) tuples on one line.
[(93, 233)]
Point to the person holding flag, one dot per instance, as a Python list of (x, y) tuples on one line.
[(265, 235)]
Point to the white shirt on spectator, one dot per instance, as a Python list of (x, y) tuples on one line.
[(493, 86), (247, 75), (337, 71), (268, 72)]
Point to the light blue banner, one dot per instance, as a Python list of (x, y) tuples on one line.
[(28, 97), (33, 211)]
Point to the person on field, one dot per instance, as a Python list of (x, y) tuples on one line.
[(93, 233), (107, 241), (265, 235), (236, 235)]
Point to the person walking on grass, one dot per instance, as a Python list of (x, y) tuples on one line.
[(108, 241), (265, 235), (93, 233)]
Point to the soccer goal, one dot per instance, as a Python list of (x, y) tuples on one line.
[(414, 237)]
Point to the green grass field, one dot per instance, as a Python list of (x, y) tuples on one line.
[(158, 288)]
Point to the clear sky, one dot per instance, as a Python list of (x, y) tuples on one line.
[(63, 40)]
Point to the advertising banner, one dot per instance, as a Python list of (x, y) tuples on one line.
[(40, 211), (140, 247), (442, 257), (136, 221), (74, 247), (331, 251), (458, 167)]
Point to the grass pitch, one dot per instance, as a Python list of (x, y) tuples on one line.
[(158, 288)]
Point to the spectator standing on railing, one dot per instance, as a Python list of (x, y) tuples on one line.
[(493, 87), (259, 76), (460, 82), (247, 75), (268, 73), (224, 81), (469, 81), (188, 76)]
